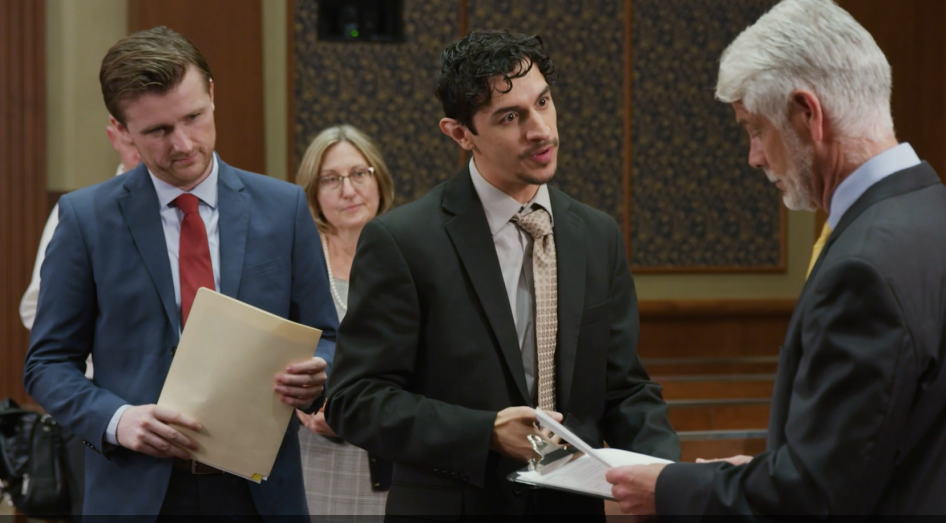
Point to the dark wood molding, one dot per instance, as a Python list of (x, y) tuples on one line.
[(52, 198), (628, 119), (464, 18), (708, 269), (716, 308), (23, 209), (292, 163)]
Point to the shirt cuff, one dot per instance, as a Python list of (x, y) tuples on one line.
[(111, 433)]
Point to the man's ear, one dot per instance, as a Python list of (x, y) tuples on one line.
[(116, 131), (806, 115), (458, 132)]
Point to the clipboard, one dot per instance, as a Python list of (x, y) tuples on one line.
[(558, 470), (514, 477)]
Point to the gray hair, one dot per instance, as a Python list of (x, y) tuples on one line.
[(816, 46)]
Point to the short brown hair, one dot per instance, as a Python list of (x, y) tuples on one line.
[(308, 175), (152, 61)]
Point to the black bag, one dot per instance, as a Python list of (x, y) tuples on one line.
[(32, 462)]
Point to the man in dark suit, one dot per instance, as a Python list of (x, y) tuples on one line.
[(858, 422), (120, 276), (492, 294)]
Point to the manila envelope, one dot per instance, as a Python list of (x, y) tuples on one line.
[(223, 374)]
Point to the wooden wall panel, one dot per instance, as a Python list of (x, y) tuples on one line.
[(910, 33), (713, 328), (22, 174), (229, 33)]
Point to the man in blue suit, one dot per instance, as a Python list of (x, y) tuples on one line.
[(120, 276)]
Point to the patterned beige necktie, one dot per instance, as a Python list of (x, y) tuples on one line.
[(538, 224)]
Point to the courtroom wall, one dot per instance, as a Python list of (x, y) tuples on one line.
[(593, 163), (641, 136), (78, 34)]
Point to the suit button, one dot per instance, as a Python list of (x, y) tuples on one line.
[(377, 485), (373, 460)]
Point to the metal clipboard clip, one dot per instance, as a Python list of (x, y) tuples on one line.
[(548, 455)]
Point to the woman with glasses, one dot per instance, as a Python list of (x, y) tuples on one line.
[(347, 184)]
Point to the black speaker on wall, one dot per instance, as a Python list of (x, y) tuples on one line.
[(361, 20)]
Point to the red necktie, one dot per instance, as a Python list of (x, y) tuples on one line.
[(196, 270)]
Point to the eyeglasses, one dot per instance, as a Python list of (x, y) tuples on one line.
[(357, 177)]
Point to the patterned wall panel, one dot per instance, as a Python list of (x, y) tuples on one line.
[(695, 204), (586, 41), (695, 201), (385, 89)]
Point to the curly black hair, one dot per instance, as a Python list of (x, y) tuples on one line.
[(467, 65)]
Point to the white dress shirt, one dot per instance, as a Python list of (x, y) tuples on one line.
[(514, 249), (171, 218), (872, 171)]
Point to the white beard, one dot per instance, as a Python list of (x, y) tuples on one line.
[(797, 180)]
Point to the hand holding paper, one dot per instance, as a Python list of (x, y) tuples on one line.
[(150, 429), (587, 474), (634, 487), (302, 383), (223, 375)]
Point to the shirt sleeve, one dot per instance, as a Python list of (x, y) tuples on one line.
[(111, 432), (31, 296)]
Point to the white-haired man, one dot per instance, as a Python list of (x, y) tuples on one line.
[(858, 420)]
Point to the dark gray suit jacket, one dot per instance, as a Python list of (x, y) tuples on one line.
[(428, 354), (858, 422)]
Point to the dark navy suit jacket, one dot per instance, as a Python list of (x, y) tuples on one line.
[(107, 290)]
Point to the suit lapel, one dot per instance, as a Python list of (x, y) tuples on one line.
[(908, 180), (234, 204), (469, 232), (905, 181), (140, 209), (570, 255)]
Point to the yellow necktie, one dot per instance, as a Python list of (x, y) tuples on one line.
[(819, 244)]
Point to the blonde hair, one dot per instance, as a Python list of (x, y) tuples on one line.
[(308, 175)]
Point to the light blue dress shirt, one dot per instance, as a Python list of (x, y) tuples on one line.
[(171, 218), (872, 171)]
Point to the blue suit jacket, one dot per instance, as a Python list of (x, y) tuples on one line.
[(107, 289)]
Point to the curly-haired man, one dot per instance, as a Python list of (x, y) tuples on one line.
[(490, 296)]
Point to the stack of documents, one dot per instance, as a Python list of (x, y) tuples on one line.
[(584, 475), (223, 375)]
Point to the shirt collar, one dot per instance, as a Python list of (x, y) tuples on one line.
[(206, 190), (872, 171), (499, 206)]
